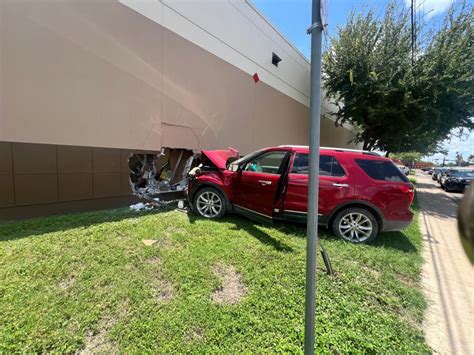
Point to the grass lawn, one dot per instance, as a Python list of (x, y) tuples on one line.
[(87, 282)]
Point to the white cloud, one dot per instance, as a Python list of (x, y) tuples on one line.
[(464, 145), (431, 8)]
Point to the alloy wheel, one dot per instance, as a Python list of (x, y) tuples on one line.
[(209, 204), (355, 227)]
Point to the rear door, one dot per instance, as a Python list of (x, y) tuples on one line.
[(334, 186), (258, 181)]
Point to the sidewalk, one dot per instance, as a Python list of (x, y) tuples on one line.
[(448, 276)]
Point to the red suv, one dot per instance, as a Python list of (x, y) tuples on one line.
[(360, 193)]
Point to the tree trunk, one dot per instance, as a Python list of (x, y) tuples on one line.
[(371, 144)]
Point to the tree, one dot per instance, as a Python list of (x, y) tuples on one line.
[(445, 153), (398, 102), (408, 158), (459, 159)]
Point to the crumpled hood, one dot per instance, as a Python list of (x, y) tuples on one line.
[(220, 157)]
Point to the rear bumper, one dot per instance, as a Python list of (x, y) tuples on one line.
[(397, 225), (457, 186)]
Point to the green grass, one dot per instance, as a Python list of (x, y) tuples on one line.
[(71, 281)]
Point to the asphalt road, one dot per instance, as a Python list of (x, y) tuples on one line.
[(448, 276)]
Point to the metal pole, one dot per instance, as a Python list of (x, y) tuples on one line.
[(314, 140)]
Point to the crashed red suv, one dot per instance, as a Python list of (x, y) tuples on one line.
[(360, 193)]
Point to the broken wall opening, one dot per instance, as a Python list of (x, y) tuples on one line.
[(162, 175)]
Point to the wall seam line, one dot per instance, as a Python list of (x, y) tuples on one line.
[(13, 175), (57, 173)]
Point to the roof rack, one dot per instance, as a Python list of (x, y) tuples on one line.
[(333, 148)]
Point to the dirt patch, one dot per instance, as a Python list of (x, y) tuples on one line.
[(172, 230), (232, 288), (195, 334), (66, 283), (164, 243), (163, 290), (375, 273), (154, 261), (408, 282), (98, 342)]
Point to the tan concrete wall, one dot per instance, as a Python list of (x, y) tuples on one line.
[(84, 82), (98, 74)]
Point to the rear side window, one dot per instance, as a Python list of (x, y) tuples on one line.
[(328, 166), (381, 170)]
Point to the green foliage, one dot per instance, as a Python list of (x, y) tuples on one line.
[(399, 101), (69, 279), (460, 160), (408, 158)]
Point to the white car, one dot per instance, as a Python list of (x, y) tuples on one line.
[(404, 169)]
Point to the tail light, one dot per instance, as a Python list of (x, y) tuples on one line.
[(410, 190)]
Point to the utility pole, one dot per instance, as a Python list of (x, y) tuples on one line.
[(413, 31), (315, 30)]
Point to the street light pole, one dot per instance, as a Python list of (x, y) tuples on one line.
[(314, 141)]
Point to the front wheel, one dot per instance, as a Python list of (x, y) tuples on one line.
[(356, 225), (210, 203)]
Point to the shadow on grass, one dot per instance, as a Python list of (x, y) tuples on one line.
[(392, 240), (42, 225), (252, 228), (39, 226)]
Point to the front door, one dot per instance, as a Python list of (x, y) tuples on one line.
[(258, 182)]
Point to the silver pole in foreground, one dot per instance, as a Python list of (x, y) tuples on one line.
[(314, 140)]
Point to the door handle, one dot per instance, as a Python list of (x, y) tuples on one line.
[(340, 185), (265, 182)]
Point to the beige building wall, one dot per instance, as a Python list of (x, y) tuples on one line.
[(138, 75), (97, 73)]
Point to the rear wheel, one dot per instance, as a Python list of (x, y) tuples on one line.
[(356, 225), (210, 203)]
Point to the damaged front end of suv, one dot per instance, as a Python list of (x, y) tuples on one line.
[(165, 176)]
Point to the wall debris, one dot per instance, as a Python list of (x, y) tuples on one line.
[(162, 176)]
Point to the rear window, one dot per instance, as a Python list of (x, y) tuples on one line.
[(328, 166), (381, 170)]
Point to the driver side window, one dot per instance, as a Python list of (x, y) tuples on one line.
[(267, 163)]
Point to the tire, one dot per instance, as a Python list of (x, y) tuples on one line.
[(355, 225), (210, 203)]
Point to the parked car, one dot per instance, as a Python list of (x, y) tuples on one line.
[(360, 193), (457, 180), (404, 169), (437, 173), (444, 175)]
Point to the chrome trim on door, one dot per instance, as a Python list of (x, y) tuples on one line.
[(252, 211), (340, 185), (300, 212), (292, 211)]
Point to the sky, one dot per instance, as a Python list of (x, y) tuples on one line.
[(293, 17)]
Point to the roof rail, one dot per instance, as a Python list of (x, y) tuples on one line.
[(333, 148)]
